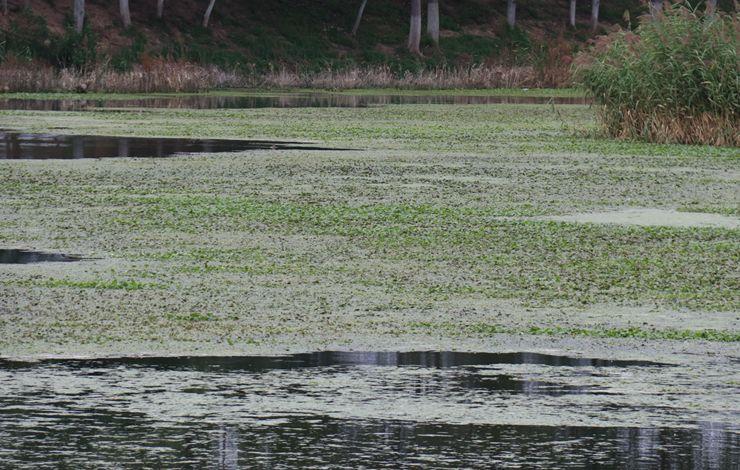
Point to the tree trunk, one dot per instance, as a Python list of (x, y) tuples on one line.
[(359, 18), (79, 14), (433, 20), (595, 14), (572, 16), (711, 7), (511, 13), (656, 6), (5, 7), (207, 14), (415, 27), (125, 13), (160, 9)]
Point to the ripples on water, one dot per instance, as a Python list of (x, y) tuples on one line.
[(337, 409)]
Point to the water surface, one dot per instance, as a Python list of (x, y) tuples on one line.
[(289, 100), (14, 256), (18, 145), (349, 409)]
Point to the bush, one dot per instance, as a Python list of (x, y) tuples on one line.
[(673, 80)]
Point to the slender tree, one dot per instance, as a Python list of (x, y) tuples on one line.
[(711, 7), (511, 13), (572, 17), (656, 6), (207, 14), (5, 7), (79, 14), (160, 9), (415, 27), (125, 13), (595, 14), (356, 26), (433, 20)]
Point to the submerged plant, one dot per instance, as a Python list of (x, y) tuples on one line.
[(674, 79)]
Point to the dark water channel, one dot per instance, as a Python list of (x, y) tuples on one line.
[(13, 256), (290, 100), (339, 409), (15, 145)]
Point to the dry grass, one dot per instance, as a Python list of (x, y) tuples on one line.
[(705, 128), (160, 76), (152, 77), (477, 76)]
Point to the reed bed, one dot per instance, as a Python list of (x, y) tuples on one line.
[(161, 76), (673, 80), (154, 77)]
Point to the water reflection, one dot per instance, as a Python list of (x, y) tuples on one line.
[(349, 409), (13, 256), (103, 440), (427, 359), (15, 145), (291, 100)]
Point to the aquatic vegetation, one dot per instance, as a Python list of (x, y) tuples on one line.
[(438, 215), (625, 332)]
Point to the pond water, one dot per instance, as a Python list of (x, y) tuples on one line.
[(288, 100), (349, 409), (16, 145), (13, 256)]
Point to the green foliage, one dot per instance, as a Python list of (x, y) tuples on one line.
[(75, 50), (28, 37), (674, 79), (126, 57), (488, 329), (96, 284)]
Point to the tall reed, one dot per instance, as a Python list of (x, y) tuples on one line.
[(161, 76), (673, 80)]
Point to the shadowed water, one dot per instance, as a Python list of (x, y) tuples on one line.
[(292, 100), (349, 409), (12, 256), (15, 145)]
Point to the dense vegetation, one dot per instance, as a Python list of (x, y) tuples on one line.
[(673, 80), (300, 37), (46, 45), (441, 215)]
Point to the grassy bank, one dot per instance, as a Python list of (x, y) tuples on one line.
[(435, 216), (303, 36), (289, 44)]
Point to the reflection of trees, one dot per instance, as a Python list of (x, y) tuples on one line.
[(227, 448), (86, 431), (371, 444), (296, 100)]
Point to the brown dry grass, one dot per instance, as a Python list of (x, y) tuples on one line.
[(705, 128), (477, 76), (153, 77), (161, 76)]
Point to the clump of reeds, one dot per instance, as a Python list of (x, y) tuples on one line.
[(153, 76), (673, 80)]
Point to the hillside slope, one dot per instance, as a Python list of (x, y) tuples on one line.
[(305, 34)]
